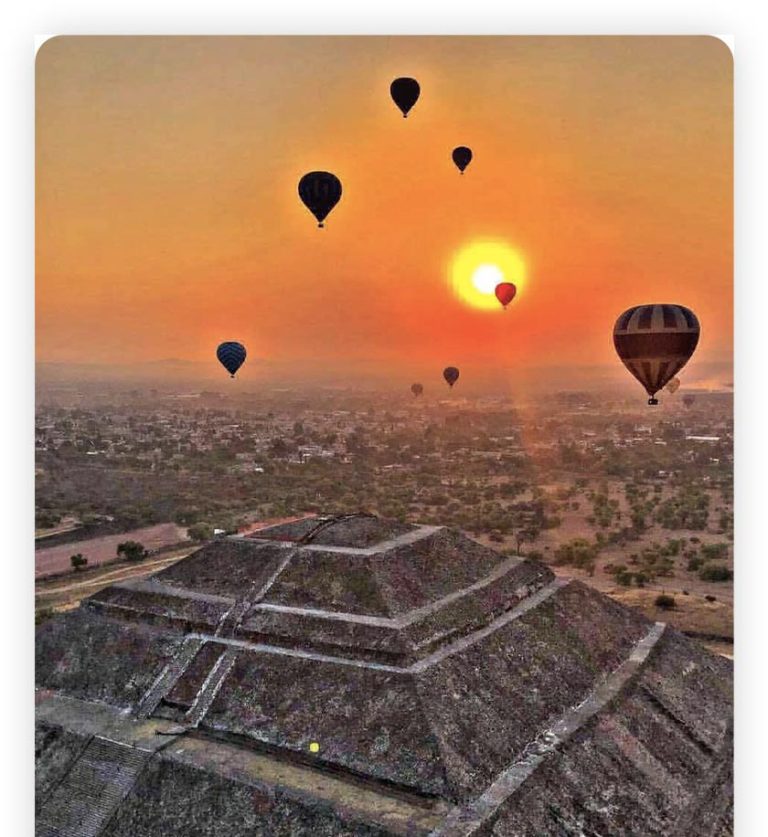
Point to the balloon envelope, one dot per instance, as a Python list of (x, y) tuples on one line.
[(673, 386), (451, 375), (405, 92), (417, 389), (462, 157), (655, 342), (320, 191), (505, 293), (231, 355), (688, 400)]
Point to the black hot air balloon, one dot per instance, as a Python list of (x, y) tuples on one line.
[(417, 389), (231, 356), (505, 292), (462, 157), (451, 375), (405, 92), (320, 191), (655, 342)]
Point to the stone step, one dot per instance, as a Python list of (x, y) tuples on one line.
[(169, 676), (91, 791)]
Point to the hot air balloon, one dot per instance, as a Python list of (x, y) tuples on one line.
[(462, 157), (451, 375), (505, 292), (231, 356), (320, 191), (688, 400), (417, 389), (405, 92), (673, 386), (655, 342)]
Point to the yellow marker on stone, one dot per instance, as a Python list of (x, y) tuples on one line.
[(314, 747)]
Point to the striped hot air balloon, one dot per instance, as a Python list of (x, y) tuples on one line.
[(231, 356), (655, 342)]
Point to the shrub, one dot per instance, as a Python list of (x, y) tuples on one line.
[(77, 561), (664, 601), (714, 551), (715, 572), (200, 532), (711, 598), (131, 551)]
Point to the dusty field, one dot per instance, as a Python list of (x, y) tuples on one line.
[(103, 550), (693, 613), (65, 593)]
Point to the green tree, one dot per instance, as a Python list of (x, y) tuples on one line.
[(200, 532), (131, 551), (715, 572), (77, 561)]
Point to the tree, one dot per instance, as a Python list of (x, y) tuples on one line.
[(131, 551), (665, 602), (200, 532), (715, 572), (77, 561)]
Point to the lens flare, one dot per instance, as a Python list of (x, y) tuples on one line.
[(479, 267)]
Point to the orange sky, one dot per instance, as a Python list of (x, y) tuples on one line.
[(168, 219)]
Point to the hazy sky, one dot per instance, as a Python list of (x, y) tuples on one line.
[(168, 218)]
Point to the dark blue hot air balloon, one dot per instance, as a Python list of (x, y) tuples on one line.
[(231, 356), (451, 375), (405, 92), (462, 157), (320, 191)]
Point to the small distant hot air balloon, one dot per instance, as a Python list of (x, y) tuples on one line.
[(320, 191), (405, 93), (655, 342), (505, 292), (417, 389), (673, 386), (231, 356), (688, 400), (451, 375), (462, 157)]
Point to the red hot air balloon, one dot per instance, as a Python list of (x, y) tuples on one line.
[(451, 375), (655, 342), (505, 292)]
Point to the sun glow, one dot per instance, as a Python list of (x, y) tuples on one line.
[(479, 267)]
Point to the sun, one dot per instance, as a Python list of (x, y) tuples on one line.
[(479, 267)]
